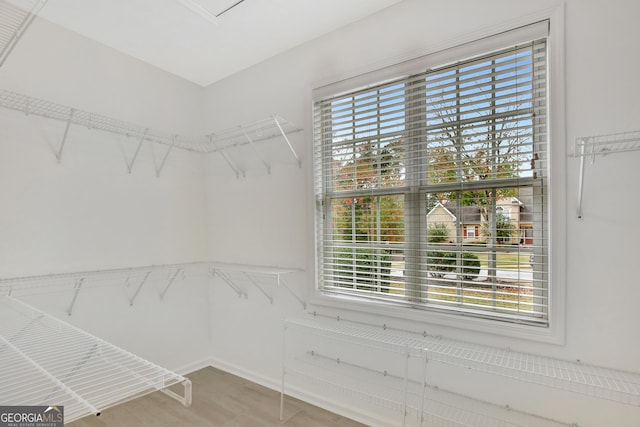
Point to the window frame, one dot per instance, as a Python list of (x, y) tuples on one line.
[(494, 39)]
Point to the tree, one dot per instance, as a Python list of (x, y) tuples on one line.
[(369, 165), (376, 219), (437, 233), (504, 229)]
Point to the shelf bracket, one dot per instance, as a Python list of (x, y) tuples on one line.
[(186, 399), (64, 137), (282, 282), (255, 150), (581, 178), (76, 288), (227, 158), (135, 155), (228, 281), (284, 135), (164, 159), (135, 295), (171, 279), (257, 285)]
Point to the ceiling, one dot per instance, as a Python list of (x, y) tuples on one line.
[(206, 40)]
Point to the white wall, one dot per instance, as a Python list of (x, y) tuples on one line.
[(88, 212), (263, 220)]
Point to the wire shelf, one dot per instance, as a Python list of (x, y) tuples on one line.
[(239, 277), (607, 144), (601, 145), (439, 408), (132, 280), (14, 21), (45, 361), (572, 376), (224, 142), (366, 335)]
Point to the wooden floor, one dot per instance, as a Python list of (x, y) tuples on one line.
[(219, 399)]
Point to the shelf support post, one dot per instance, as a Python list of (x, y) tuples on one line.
[(164, 159), (284, 348), (227, 158), (171, 279), (64, 137), (424, 385), (186, 399), (581, 177), (228, 281), (405, 384), (284, 135), (300, 300), (135, 155), (135, 295), (255, 150), (75, 295), (257, 285)]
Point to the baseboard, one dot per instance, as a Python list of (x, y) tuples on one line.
[(272, 383), (193, 366), (356, 414)]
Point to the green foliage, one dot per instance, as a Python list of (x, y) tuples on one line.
[(441, 263), (437, 233), (370, 267), (504, 229)]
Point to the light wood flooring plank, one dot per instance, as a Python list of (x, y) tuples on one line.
[(219, 400)]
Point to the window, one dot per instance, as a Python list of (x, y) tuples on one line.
[(416, 180), (471, 232)]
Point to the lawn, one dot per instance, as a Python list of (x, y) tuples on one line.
[(506, 260), (505, 294)]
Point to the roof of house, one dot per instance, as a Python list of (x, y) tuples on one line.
[(472, 214)]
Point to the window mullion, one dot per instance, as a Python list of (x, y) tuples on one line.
[(415, 276)]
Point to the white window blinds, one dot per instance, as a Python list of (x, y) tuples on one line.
[(431, 188)]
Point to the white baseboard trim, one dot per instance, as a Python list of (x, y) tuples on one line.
[(356, 414), (193, 366)]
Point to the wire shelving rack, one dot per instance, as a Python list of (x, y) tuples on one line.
[(572, 376), (45, 361), (239, 277), (14, 21), (225, 142), (163, 277), (600, 145), (430, 405)]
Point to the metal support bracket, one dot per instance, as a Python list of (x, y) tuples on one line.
[(227, 158), (257, 285), (284, 135), (135, 155), (166, 154), (300, 300), (186, 399), (135, 295), (255, 150), (77, 287), (228, 281), (583, 154), (64, 137), (171, 280)]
